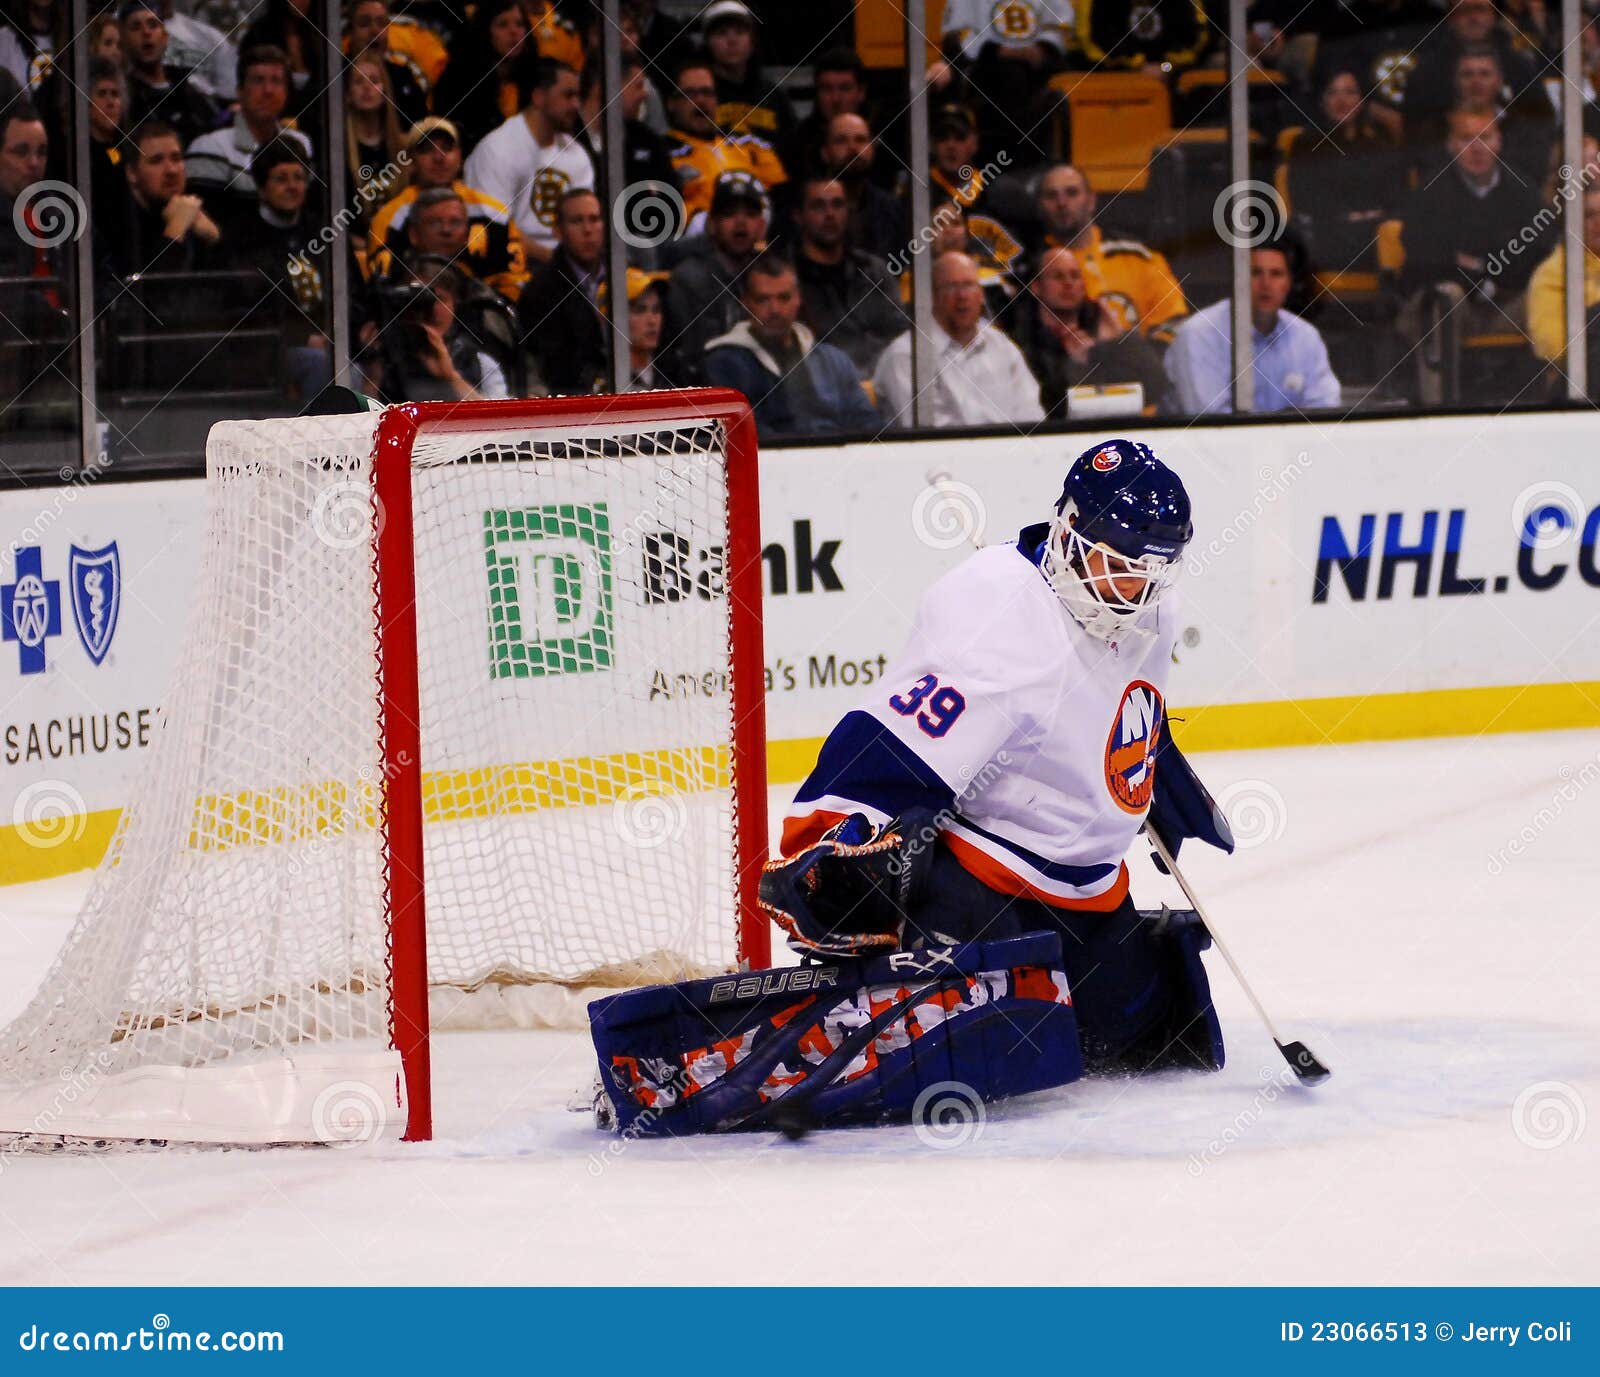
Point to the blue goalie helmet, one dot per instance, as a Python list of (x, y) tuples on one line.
[(1118, 535)]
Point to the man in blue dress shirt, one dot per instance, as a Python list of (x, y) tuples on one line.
[(1290, 360)]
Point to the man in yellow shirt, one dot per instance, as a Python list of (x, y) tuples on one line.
[(1547, 301), (1129, 279), (701, 151)]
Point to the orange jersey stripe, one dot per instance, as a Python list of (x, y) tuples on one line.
[(799, 833), (983, 866)]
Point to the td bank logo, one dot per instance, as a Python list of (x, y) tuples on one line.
[(549, 589)]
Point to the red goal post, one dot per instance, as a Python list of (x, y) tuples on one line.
[(397, 638)]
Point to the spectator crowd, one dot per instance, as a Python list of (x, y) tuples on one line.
[(1412, 255)]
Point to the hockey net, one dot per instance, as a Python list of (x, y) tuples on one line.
[(564, 743)]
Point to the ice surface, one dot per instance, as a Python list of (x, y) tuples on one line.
[(1422, 913)]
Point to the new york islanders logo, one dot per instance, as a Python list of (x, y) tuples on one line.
[(1105, 460), (1131, 747)]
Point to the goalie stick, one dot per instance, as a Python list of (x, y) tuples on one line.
[(1302, 1060)]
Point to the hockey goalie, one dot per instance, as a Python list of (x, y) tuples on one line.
[(952, 872)]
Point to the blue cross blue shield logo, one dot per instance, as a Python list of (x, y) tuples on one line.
[(95, 577), (30, 610)]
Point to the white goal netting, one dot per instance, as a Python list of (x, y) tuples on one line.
[(229, 977)]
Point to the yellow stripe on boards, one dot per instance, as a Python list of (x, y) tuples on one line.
[(61, 846)]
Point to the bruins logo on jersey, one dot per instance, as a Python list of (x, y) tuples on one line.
[(1131, 747), (1390, 71), (1119, 306), (1014, 21), (305, 281), (544, 196)]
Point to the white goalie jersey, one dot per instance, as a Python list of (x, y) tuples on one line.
[(1037, 739)]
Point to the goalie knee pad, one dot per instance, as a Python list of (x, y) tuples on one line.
[(847, 1042)]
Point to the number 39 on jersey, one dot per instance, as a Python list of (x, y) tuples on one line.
[(935, 707)]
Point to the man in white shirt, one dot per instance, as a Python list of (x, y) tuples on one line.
[(219, 162), (532, 160), (980, 376)]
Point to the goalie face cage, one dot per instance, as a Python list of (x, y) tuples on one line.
[(471, 697)]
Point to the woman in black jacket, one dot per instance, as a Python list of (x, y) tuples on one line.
[(1345, 177), (481, 86)]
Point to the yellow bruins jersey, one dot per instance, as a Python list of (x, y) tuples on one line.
[(494, 253), (1133, 282), (421, 44), (699, 162), (556, 38)]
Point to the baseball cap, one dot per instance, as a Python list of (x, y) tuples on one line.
[(726, 9), (957, 117), (432, 124), (638, 281), (738, 188)]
